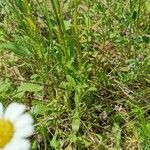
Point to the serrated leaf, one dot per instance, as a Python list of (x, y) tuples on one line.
[(18, 49)]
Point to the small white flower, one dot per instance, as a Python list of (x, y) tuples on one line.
[(15, 127)]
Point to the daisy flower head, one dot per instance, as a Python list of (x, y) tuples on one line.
[(15, 127)]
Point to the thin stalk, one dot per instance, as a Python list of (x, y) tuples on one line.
[(76, 32), (88, 27), (57, 15), (138, 17)]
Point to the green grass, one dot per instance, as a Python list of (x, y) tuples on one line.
[(82, 69)]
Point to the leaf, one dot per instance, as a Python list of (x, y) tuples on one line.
[(54, 142), (4, 86), (72, 138), (147, 5), (67, 24), (84, 140), (30, 87), (71, 80), (91, 89), (17, 48), (39, 109), (117, 135), (31, 23), (76, 121), (18, 95), (63, 84), (124, 69)]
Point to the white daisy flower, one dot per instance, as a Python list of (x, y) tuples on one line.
[(15, 127)]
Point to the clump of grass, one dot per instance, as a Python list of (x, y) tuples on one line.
[(81, 67)]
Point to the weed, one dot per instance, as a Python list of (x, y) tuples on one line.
[(82, 69)]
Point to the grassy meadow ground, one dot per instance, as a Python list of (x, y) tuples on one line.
[(82, 68)]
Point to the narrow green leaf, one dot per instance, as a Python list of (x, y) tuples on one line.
[(76, 121), (117, 135), (18, 49)]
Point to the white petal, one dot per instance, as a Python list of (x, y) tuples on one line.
[(18, 144), (1, 110), (23, 121), (24, 132), (24, 145), (13, 111), (12, 145)]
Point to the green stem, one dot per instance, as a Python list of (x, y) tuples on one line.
[(138, 17), (76, 32), (57, 15)]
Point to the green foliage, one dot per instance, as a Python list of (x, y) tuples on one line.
[(82, 68), (16, 48), (143, 125), (117, 136)]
